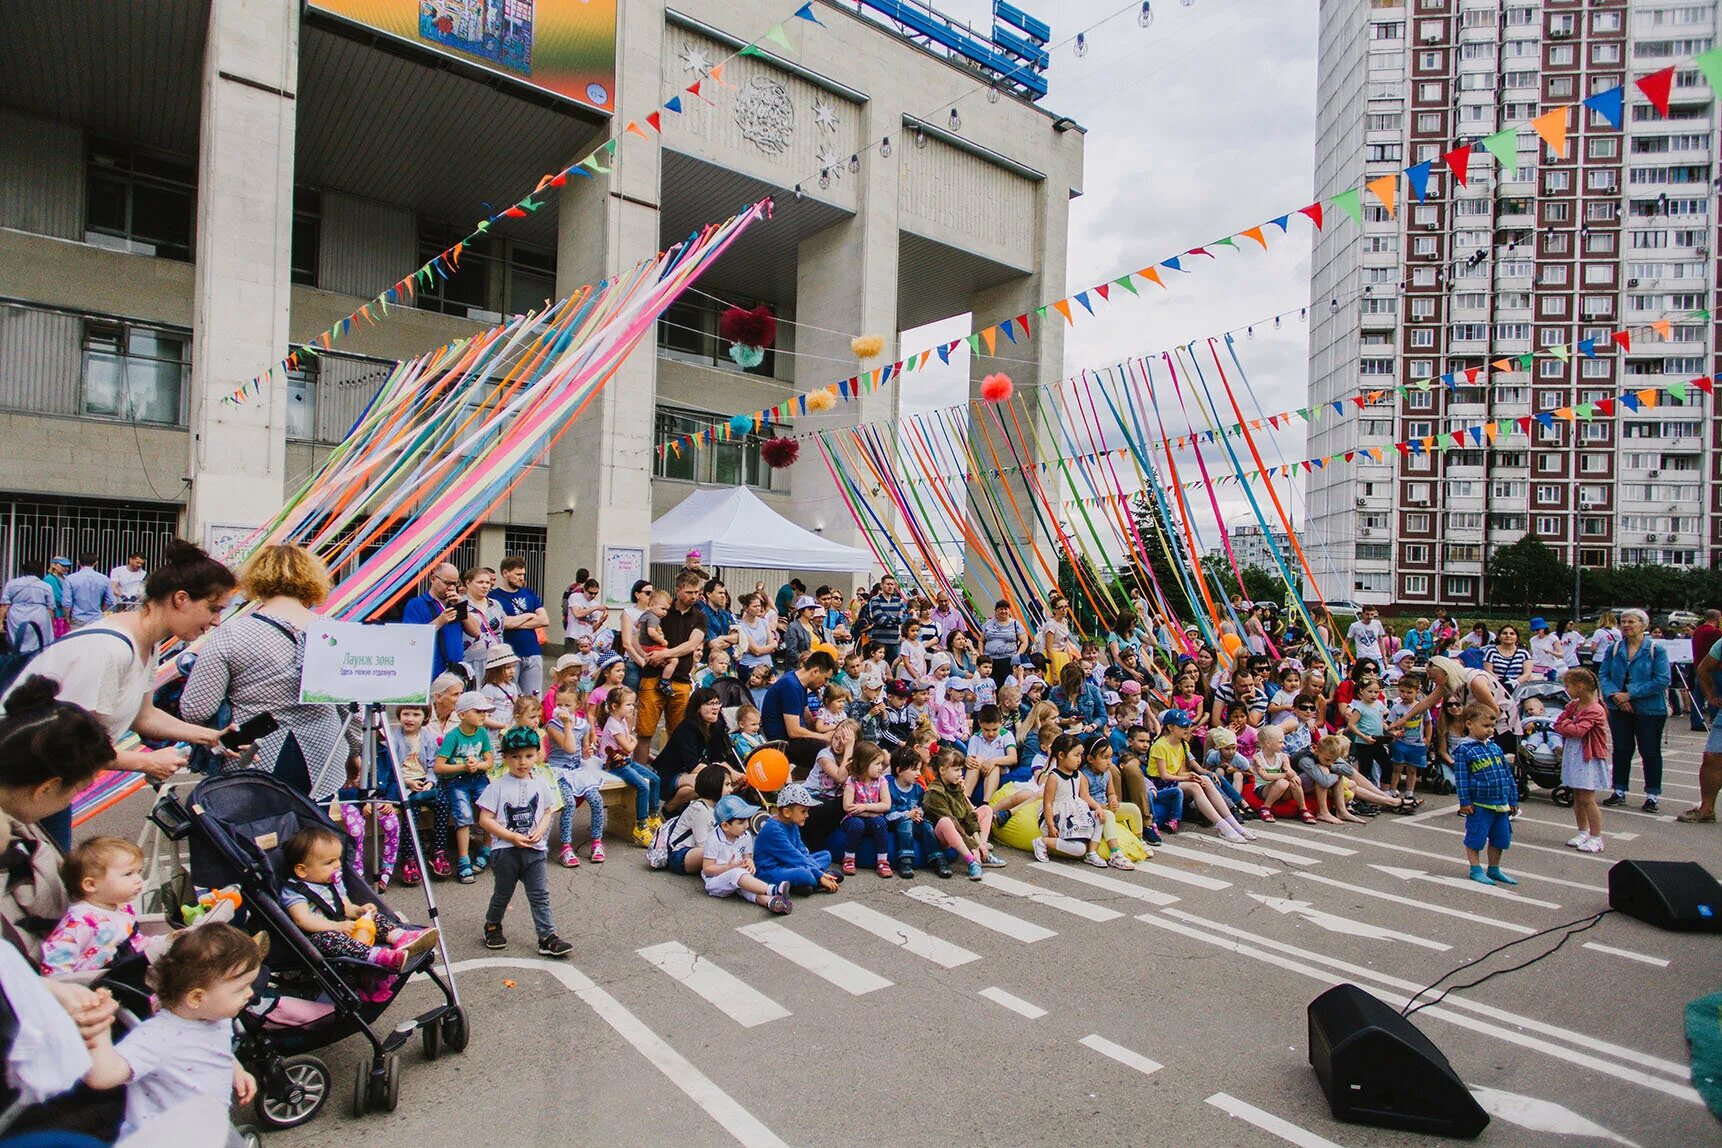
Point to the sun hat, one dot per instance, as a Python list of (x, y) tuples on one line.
[(732, 808), (872, 682), (498, 656), (1539, 623), (568, 662), (1130, 688), (473, 702), (1111, 698), (959, 685), (795, 794), (1033, 681)]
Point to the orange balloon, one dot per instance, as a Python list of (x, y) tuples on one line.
[(767, 769), (1232, 643)]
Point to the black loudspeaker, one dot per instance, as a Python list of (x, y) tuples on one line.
[(1677, 895), (1376, 1068)]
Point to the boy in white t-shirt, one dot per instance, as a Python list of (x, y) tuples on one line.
[(991, 752), (728, 868), (515, 809)]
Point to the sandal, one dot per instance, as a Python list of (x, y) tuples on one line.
[(1308, 817), (1694, 817), (1267, 816)]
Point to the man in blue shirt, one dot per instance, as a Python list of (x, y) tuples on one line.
[(523, 612), (436, 607), (89, 593), (786, 714)]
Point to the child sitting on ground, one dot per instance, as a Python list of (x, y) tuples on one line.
[(781, 857), (1103, 784), (414, 757), (1170, 763), (950, 713), (315, 897), (1488, 795), (1069, 814), (907, 820), (463, 764), (1275, 779), (961, 826), (649, 632), (991, 752), (1227, 763), (865, 804), (686, 844), (515, 809), (746, 737), (104, 875), (728, 867), (185, 1051), (578, 770)]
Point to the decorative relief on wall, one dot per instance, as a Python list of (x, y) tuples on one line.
[(765, 115)]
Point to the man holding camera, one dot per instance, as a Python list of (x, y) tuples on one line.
[(437, 606)]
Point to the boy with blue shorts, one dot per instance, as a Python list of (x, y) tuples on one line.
[(1488, 795), (463, 762), (1408, 752)]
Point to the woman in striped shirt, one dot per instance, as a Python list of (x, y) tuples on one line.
[(1506, 659)]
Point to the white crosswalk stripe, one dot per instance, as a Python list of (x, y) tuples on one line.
[(1015, 1003), (820, 961), (1103, 881), (1166, 871), (1211, 856), (1268, 1122), (1121, 1054), (1300, 838), (906, 937), (984, 915), (1270, 851), (737, 999), (1072, 905)]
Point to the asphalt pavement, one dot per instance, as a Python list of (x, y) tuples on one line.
[(1060, 1004)]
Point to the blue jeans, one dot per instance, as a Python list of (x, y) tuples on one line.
[(904, 834), (1644, 731), (630, 674), (512, 865), (857, 828), (594, 803), (645, 784), (1168, 803), (463, 791)]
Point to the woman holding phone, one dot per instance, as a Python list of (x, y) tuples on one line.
[(253, 662)]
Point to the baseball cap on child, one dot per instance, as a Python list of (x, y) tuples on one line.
[(795, 794), (520, 737), (872, 682), (899, 689), (732, 808), (1175, 717), (1110, 697), (473, 702), (959, 685)]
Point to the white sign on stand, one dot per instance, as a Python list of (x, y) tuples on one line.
[(623, 566), (371, 665)]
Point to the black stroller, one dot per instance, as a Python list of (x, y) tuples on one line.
[(238, 824)]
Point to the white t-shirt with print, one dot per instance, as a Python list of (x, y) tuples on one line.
[(1365, 639), (172, 1060), (519, 803)]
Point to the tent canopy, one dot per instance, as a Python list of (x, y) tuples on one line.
[(732, 527)]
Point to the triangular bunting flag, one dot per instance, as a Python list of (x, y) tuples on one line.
[(656, 119), (1710, 63), (1489, 430), (1504, 146), (673, 104), (1663, 327), (1587, 347), (974, 342), (805, 12), (1629, 401), (1458, 162), (944, 350), (1173, 263), (1552, 126), (634, 126), (1152, 274), (1255, 233), (1082, 297), (1062, 306), (1648, 396), (1278, 221), (1008, 333), (1609, 104), (1471, 374), (1678, 390), (1561, 353), (1585, 411), (1477, 434), (1566, 413), (1656, 87), (1127, 283), (716, 75), (1502, 364), (1200, 251), (1525, 361), (1351, 203), (1605, 407), (1418, 177), (1705, 383), (1314, 213), (991, 335), (1022, 322), (1547, 418), (1624, 338), (777, 36)]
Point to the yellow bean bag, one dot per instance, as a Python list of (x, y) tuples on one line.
[(1024, 826)]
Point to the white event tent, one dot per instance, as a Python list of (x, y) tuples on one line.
[(732, 527)]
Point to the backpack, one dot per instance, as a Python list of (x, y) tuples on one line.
[(12, 665), (658, 852)]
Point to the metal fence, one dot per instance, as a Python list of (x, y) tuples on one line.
[(529, 542), (34, 527)]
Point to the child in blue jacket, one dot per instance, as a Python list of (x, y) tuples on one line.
[(1488, 795), (779, 854), (906, 821)]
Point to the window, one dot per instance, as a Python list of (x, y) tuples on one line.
[(1552, 306), (1548, 526), (1416, 553), (1547, 495), (1383, 121), (1559, 212), (497, 277), (724, 463), (1462, 552), (1605, 53), (1431, 92), (1383, 152), (1374, 582), (1506, 522), (1420, 400), (1562, 55), (1605, 21), (1561, 87), (1464, 521), (1593, 464), (302, 402), (1417, 494), (139, 202), (1603, 147), (1596, 369), (1421, 309), (1551, 369), (1423, 336), (1417, 523), (1416, 585), (1429, 121), (134, 372)]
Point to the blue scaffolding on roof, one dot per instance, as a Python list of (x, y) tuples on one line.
[(1014, 55)]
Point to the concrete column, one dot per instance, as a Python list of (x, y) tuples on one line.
[(846, 283), (243, 261), (600, 482), (1032, 380)]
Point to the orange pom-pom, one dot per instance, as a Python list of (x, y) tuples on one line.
[(867, 346), (996, 388), (821, 400)]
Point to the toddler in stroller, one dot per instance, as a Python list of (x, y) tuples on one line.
[(1537, 756)]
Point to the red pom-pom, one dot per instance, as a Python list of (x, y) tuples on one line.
[(779, 452), (996, 388), (755, 328)]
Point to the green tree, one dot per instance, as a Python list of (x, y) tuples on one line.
[(1527, 573), (1151, 558)]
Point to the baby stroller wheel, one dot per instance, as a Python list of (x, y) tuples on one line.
[(386, 1087), (1562, 795), (454, 1029), (306, 1089), (361, 1088), (431, 1034)]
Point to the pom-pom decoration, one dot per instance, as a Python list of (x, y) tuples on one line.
[(996, 388), (740, 424), (746, 357), (821, 400), (779, 452), (755, 328), (867, 346)]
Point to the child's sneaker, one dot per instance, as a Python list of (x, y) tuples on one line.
[(942, 866), (1501, 878), (1094, 859), (1173, 825), (463, 872), (1152, 835), (415, 941), (481, 862), (655, 822), (975, 871), (1479, 876), (493, 938), (906, 867), (568, 859), (992, 860), (382, 882), (642, 836), (597, 852), (1119, 861), (440, 867), (664, 687), (1578, 842), (393, 960), (410, 875), (849, 865), (550, 945), (780, 903), (883, 868), (1591, 845), (1040, 850)]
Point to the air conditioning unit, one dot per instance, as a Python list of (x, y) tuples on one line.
[(1655, 474), (1650, 538), (1560, 33), (1632, 283), (1367, 531), (1361, 504)]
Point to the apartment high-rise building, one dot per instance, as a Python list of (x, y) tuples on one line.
[(1620, 232)]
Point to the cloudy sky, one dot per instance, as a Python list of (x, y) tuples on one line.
[(1199, 126)]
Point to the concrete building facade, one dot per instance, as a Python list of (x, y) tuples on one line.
[(191, 188), (1619, 233)]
